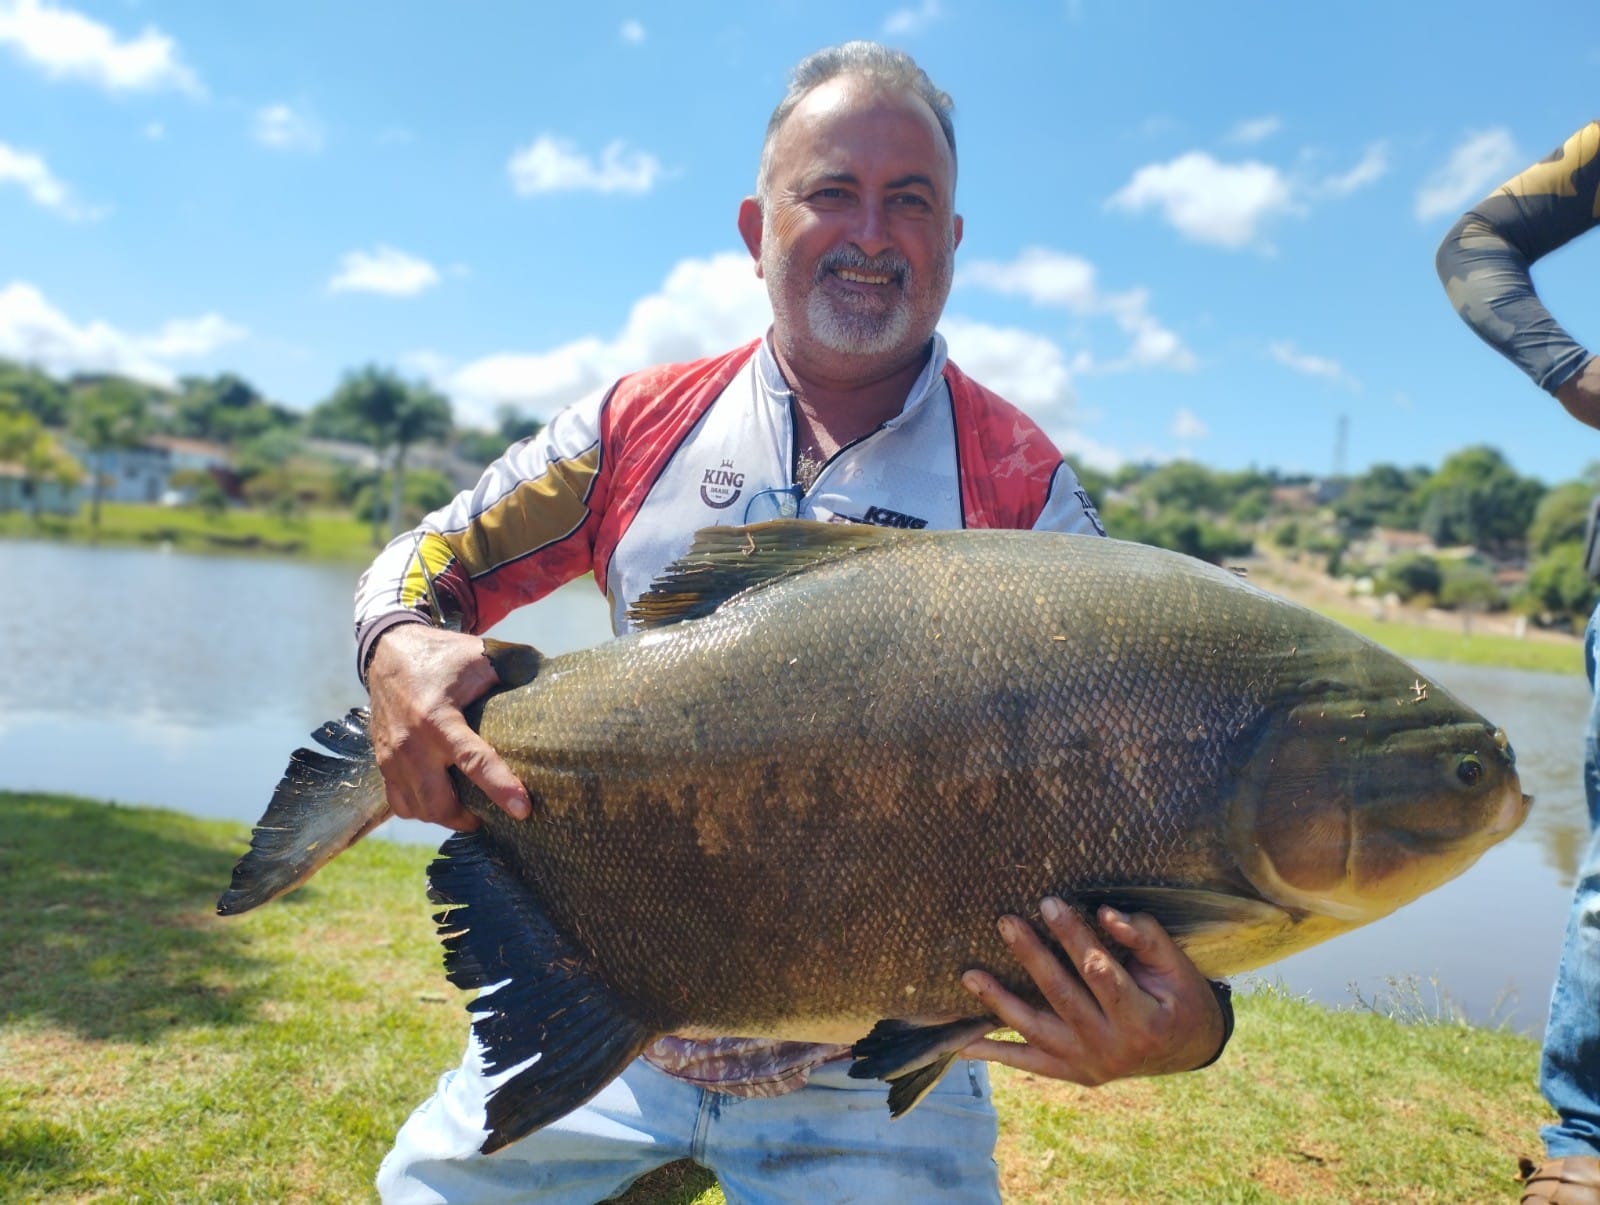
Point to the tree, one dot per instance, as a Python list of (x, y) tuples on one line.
[(1561, 518), (226, 408), (381, 409), (1476, 498), (104, 417), (35, 392), (26, 444), (1185, 486), (1410, 576), (1558, 586), (1384, 496), (424, 414)]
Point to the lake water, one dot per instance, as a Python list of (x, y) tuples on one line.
[(183, 681)]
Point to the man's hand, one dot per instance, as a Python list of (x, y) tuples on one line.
[(1581, 394), (419, 680), (1156, 1015)]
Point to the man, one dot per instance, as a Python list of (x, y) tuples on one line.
[(848, 410), (1483, 263)]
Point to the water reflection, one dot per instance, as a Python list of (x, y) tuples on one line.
[(185, 681)]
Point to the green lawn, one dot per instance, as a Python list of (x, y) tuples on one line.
[(152, 1051), (324, 535)]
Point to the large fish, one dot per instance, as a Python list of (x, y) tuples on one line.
[(796, 802)]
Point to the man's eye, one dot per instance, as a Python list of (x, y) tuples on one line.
[(911, 200)]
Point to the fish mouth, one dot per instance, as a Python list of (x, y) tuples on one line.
[(1510, 816)]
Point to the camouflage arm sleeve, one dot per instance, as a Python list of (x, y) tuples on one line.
[(1484, 260)]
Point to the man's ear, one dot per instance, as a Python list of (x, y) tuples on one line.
[(750, 226), (957, 243)]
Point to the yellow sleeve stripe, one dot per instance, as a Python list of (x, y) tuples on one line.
[(537, 513), (434, 555)]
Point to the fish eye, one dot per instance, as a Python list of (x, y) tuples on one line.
[(1470, 770)]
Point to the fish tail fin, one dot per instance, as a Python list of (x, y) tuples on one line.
[(913, 1057), (551, 1003), (323, 804)]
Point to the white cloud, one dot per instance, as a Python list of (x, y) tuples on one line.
[(550, 164), (1481, 161), (68, 45), (1371, 168), (1289, 356), (904, 22), (1025, 368), (1187, 426), (285, 128), (704, 306), (44, 188), (632, 33), (383, 270), (1054, 278), (35, 332), (1222, 204), (1043, 276), (1255, 129)]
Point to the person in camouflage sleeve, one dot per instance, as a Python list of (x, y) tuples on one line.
[(1483, 263)]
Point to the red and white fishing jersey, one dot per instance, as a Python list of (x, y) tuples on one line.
[(618, 483)]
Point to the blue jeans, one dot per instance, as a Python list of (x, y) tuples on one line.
[(831, 1140), (1569, 1071)]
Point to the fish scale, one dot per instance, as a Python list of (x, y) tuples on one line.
[(794, 804)]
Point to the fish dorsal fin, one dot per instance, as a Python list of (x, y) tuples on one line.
[(724, 561)]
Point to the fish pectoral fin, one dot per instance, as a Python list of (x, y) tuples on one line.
[(550, 1002), (912, 1057), (1197, 919), (514, 664), (724, 561)]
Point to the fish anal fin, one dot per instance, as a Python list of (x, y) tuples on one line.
[(725, 561), (551, 1009), (913, 1057)]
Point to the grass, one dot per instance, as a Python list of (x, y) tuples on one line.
[(1418, 642), (150, 1050), (322, 535)]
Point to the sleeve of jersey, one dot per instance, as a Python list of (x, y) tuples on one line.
[(524, 529), (1068, 507), (1483, 262)]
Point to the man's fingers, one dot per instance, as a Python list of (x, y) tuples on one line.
[(1021, 1056), (1102, 974), (1144, 937), (428, 795), (477, 759)]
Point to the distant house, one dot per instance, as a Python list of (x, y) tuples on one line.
[(1386, 543), (1293, 498), (43, 497), (144, 473)]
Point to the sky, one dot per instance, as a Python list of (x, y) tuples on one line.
[(1196, 231)]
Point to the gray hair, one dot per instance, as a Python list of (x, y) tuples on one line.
[(864, 60)]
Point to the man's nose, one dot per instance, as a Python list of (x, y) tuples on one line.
[(872, 229)]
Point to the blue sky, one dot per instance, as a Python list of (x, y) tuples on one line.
[(1191, 230)]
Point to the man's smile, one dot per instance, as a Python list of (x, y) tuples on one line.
[(856, 276)]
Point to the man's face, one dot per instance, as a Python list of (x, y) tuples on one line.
[(857, 241)]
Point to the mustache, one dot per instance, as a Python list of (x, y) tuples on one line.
[(890, 263)]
